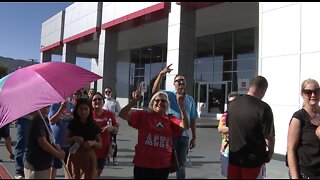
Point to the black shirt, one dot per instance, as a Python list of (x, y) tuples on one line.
[(38, 158), (251, 122), (88, 131), (308, 150)]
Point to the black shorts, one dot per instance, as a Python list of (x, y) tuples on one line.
[(5, 131), (57, 164), (101, 162)]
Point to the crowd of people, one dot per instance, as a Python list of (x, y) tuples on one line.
[(80, 134)]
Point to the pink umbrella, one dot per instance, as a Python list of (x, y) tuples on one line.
[(34, 87)]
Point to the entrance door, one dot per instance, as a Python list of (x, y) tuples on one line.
[(211, 98)]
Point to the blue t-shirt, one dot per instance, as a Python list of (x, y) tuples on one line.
[(190, 108), (59, 130)]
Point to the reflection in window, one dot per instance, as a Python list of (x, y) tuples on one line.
[(223, 46), (227, 56), (244, 44), (145, 64), (205, 46)]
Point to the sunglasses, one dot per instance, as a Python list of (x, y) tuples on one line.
[(309, 92), (107, 91), (160, 100), (97, 99), (180, 81)]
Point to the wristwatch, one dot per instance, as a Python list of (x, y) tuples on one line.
[(194, 137)]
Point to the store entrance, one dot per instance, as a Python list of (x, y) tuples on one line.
[(211, 98)]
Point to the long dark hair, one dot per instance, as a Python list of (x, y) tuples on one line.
[(98, 93), (87, 102)]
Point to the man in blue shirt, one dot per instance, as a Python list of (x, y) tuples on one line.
[(59, 116), (181, 143)]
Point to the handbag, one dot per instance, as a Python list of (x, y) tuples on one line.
[(174, 165)]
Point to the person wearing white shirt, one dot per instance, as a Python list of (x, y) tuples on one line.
[(110, 103), (113, 106)]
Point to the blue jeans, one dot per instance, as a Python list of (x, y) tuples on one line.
[(21, 143), (181, 144)]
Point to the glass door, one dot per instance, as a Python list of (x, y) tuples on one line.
[(211, 98)]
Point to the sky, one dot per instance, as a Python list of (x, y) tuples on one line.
[(20, 28)]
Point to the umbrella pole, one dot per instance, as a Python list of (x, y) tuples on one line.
[(52, 142)]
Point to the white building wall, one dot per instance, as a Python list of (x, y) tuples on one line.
[(80, 17), (52, 29), (288, 55), (114, 10)]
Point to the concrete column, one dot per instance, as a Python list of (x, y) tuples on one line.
[(181, 45), (107, 61), (45, 57), (69, 53), (94, 68)]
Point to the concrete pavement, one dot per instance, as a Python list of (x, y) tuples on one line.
[(205, 158)]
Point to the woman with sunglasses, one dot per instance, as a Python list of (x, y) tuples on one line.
[(303, 146), (156, 130), (108, 125)]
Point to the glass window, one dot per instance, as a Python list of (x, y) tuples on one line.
[(226, 56), (245, 65), (145, 65), (244, 44), (205, 46), (223, 46)]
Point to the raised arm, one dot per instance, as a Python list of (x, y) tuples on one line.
[(125, 111), (56, 117), (156, 85), (184, 123)]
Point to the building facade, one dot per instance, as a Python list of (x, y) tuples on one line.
[(217, 46)]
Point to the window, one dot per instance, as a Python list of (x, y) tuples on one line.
[(226, 56), (145, 65)]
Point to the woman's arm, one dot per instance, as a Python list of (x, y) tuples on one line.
[(97, 143), (294, 136), (125, 111)]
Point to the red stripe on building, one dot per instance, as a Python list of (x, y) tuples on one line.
[(80, 35), (45, 48), (135, 15), (198, 5)]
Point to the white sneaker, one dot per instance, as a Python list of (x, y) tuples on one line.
[(115, 162), (18, 176)]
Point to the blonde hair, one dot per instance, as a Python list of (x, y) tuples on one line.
[(309, 81), (156, 95)]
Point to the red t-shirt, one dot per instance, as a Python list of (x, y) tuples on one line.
[(155, 135), (102, 121)]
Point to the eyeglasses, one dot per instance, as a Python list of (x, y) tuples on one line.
[(180, 81), (107, 92), (97, 99), (160, 100), (309, 92)]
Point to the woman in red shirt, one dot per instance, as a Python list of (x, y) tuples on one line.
[(108, 125), (156, 130)]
